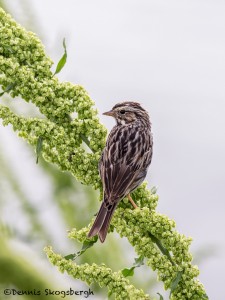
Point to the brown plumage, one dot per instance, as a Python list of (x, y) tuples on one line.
[(124, 162)]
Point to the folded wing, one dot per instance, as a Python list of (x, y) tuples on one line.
[(124, 162)]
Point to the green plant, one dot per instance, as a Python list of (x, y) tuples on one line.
[(75, 145)]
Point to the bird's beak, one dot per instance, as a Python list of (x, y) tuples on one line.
[(109, 113)]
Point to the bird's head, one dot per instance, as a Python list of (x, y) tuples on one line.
[(128, 112)]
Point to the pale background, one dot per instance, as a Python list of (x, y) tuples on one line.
[(169, 56)]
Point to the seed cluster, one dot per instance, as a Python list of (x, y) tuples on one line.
[(24, 65), (139, 226), (116, 283), (25, 71)]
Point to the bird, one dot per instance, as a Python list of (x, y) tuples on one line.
[(124, 161)]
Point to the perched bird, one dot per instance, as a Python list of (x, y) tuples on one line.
[(124, 161)]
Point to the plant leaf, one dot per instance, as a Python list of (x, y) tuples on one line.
[(128, 272), (8, 88), (175, 281), (70, 256), (160, 296), (139, 261), (161, 247), (154, 190), (39, 147), (87, 244), (62, 60)]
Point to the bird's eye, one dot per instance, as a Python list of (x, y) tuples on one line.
[(122, 112)]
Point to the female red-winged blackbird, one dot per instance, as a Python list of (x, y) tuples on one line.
[(124, 161)]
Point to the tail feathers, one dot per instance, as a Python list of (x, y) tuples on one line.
[(98, 221), (104, 228), (101, 222)]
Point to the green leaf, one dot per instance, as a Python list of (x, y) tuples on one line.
[(70, 256), (161, 247), (139, 261), (85, 140), (128, 272), (39, 147), (62, 60), (160, 296), (8, 88), (175, 282), (154, 190), (87, 244)]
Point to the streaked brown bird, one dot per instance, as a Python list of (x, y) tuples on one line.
[(124, 162)]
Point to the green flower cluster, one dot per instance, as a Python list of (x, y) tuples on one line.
[(25, 70), (153, 236), (116, 283), (79, 235)]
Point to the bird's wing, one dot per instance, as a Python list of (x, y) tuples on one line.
[(124, 162)]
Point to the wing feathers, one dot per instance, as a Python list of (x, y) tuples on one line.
[(124, 157)]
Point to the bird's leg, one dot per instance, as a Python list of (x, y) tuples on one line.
[(132, 201)]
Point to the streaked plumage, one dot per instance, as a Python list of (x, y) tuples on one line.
[(124, 161)]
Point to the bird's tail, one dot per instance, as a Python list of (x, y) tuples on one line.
[(102, 221)]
